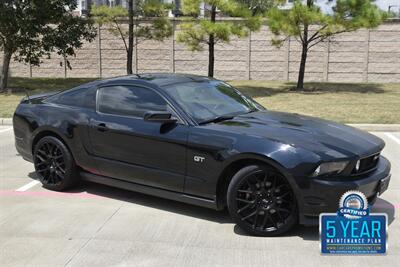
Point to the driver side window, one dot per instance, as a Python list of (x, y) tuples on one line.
[(129, 101)]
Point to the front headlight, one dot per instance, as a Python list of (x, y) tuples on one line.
[(330, 168)]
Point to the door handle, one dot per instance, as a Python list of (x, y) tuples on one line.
[(102, 127)]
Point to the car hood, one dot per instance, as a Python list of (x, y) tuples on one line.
[(317, 135)]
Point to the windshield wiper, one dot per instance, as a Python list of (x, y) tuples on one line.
[(217, 119), (252, 110)]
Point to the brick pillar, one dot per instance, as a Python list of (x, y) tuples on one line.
[(172, 46), (365, 72), (65, 66), (326, 62), (249, 57), (135, 54), (287, 61), (98, 47)]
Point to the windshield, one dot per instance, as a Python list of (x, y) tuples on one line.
[(207, 100)]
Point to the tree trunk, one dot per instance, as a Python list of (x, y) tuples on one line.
[(302, 70), (129, 52), (304, 44), (4, 69), (211, 43)]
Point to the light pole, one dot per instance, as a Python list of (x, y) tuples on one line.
[(393, 6)]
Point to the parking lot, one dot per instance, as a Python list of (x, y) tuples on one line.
[(103, 226)]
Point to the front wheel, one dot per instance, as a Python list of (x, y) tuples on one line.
[(54, 164), (261, 201)]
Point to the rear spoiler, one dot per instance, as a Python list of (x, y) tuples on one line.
[(38, 97)]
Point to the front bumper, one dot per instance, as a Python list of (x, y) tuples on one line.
[(323, 195)]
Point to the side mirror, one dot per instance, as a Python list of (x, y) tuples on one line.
[(159, 116)]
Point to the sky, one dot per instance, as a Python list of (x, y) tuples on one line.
[(384, 4), (326, 6)]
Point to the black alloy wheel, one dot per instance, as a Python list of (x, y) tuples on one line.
[(261, 201), (54, 164)]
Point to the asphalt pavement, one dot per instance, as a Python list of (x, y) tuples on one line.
[(96, 225)]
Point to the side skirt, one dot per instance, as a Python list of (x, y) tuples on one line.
[(203, 202)]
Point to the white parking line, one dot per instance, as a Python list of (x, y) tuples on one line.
[(393, 137), (27, 186), (5, 130)]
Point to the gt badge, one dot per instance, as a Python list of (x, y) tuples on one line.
[(198, 159)]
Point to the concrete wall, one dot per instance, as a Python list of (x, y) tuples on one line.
[(362, 56)]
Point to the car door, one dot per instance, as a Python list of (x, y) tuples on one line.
[(130, 148)]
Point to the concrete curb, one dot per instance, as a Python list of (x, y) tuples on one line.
[(377, 127), (5, 121), (365, 127)]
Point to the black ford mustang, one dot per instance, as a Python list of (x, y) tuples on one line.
[(199, 141)]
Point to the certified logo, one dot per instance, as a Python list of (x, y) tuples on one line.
[(353, 205), (353, 229)]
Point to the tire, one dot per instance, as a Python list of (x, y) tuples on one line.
[(54, 164), (261, 201)]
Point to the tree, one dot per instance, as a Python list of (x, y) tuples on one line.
[(310, 26), (146, 20), (208, 31), (259, 6), (30, 30)]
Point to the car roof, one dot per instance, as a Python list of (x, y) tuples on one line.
[(158, 79)]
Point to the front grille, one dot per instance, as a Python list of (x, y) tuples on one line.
[(366, 164)]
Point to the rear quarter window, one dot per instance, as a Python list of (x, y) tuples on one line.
[(81, 97)]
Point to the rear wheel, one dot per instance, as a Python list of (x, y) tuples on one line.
[(261, 201), (54, 164)]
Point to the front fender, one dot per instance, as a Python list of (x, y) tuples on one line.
[(292, 162), (256, 157), (287, 158)]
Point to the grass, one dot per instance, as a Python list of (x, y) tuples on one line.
[(342, 102)]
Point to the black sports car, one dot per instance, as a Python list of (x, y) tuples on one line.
[(200, 141)]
